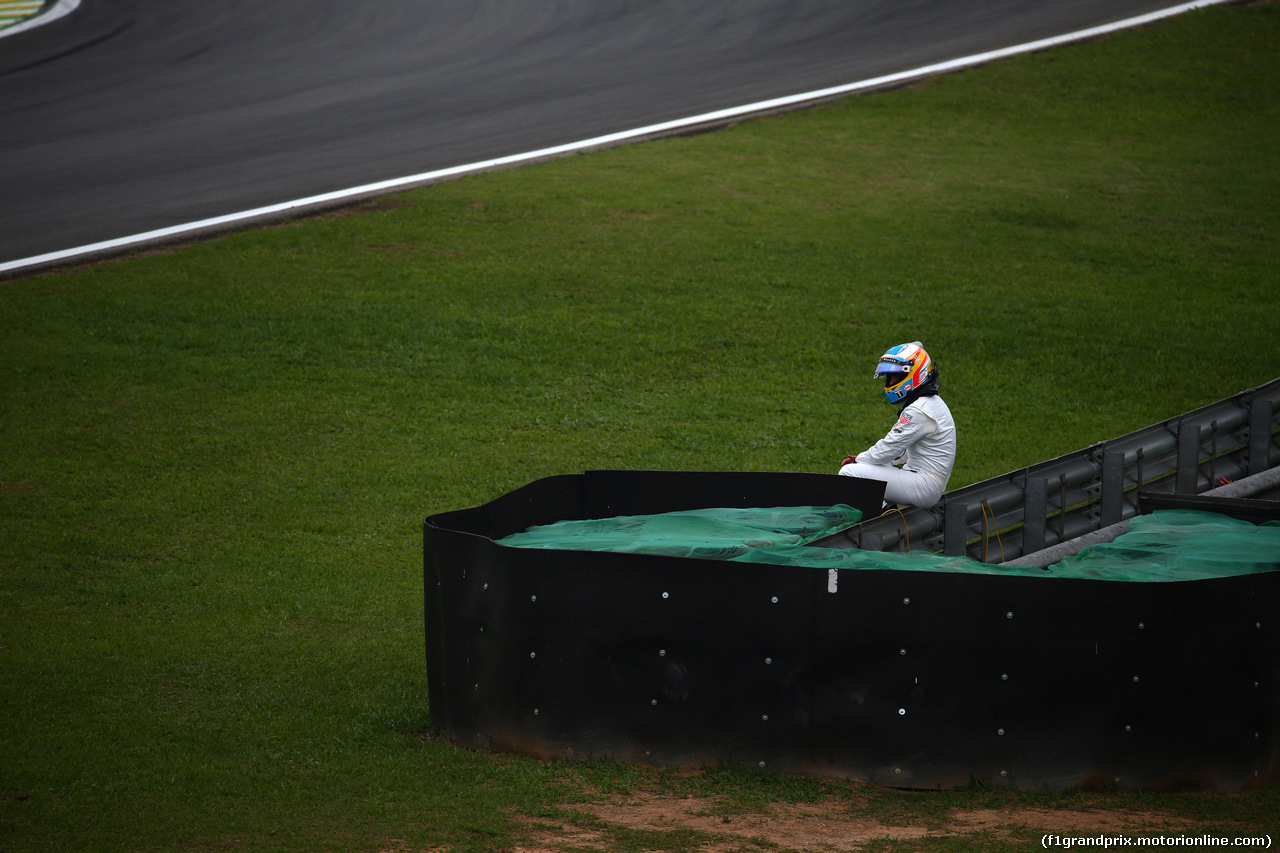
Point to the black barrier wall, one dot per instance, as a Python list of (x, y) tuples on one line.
[(909, 679)]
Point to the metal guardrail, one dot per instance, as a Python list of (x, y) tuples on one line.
[(1058, 500)]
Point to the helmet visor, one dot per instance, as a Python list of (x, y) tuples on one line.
[(894, 371), (892, 368)]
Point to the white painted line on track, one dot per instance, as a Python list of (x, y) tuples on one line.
[(216, 223)]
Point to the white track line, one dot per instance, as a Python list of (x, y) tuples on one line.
[(649, 131)]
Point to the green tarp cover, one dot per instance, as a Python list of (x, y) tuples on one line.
[(1168, 545), (1179, 545), (717, 534)]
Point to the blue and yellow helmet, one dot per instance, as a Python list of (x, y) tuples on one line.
[(904, 368)]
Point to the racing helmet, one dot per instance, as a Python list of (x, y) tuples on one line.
[(905, 368)]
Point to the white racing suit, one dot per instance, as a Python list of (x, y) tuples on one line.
[(923, 442)]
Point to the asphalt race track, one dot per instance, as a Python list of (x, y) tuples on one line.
[(127, 116)]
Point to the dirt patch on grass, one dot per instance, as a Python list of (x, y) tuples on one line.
[(806, 826), (831, 826), (1071, 822)]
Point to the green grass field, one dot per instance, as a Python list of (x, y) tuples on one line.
[(216, 459)]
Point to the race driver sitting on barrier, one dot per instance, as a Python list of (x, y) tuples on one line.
[(922, 442)]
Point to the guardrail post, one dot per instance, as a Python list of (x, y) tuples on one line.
[(1034, 513), (955, 528), (1259, 435), (1188, 473), (1112, 509)]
